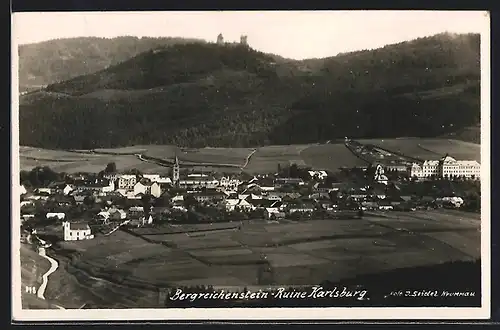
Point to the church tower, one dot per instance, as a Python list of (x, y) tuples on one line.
[(175, 172)]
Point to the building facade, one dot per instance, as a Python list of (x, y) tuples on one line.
[(76, 231), (147, 187), (199, 183), (127, 181), (447, 167)]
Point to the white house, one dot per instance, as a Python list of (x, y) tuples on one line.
[(319, 174), (177, 198), (67, 189), (27, 203), (22, 190), (148, 220), (76, 231), (27, 216), (229, 183), (44, 190), (60, 216), (147, 187), (237, 204), (380, 177), (456, 201)]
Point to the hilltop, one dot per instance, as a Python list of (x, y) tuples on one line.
[(52, 61), (200, 95)]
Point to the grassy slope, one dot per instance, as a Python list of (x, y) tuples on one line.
[(44, 63)]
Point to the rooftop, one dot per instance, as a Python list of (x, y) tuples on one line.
[(79, 226)]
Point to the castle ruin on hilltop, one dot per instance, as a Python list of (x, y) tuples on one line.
[(220, 39), (243, 41)]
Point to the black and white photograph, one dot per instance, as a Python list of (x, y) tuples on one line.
[(215, 165)]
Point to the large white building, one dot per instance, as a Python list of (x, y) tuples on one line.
[(446, 167)]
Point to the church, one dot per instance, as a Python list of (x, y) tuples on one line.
[(76, 231)]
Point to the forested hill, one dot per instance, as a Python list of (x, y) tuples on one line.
[(57, 60), (209, 95)]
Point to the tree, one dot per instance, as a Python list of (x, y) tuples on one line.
[(110, 168), (88, 201), (370, 171), (190, 201), (146, 204), (293, 171), (134, 171)]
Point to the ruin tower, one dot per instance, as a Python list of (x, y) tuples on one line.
[(243, 40), (220, 39), (175, 172)]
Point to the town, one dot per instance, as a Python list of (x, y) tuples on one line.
[(80, 206)]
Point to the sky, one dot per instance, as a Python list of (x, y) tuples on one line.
[(291, 34)]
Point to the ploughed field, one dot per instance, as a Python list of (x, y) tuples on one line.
[(260, 160), (127, 269)]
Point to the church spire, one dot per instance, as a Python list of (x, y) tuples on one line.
[(175, 171)]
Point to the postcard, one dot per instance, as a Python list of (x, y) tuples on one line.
[(217, 165)]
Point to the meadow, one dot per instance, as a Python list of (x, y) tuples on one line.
[(260, 253), (231, 156), (429, 149), (263, 160)]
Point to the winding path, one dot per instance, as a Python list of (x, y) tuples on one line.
[(45, 277), (247, 160)]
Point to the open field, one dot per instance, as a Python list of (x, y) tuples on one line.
[(260, 253), (235, 156), (330, 157), (264, 160), (429, 149)]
